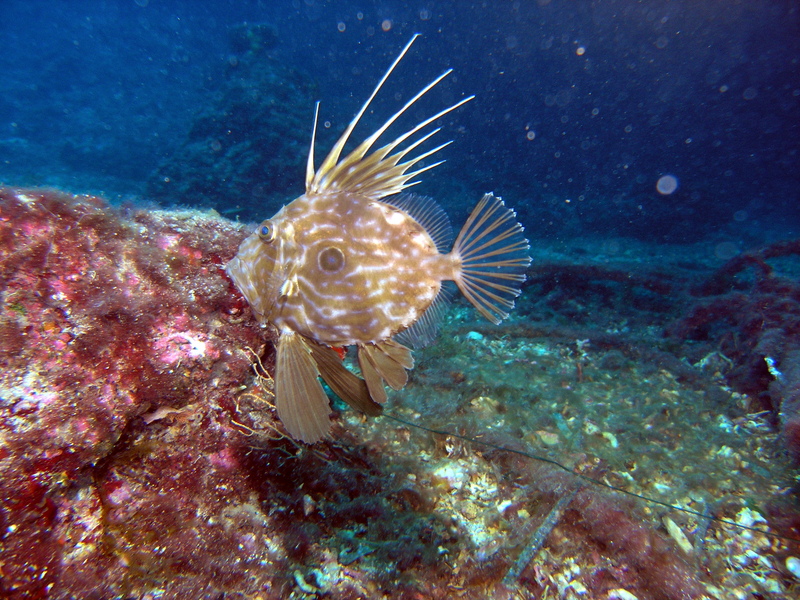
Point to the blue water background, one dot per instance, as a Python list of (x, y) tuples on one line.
[(580, 106)]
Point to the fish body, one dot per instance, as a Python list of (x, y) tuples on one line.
[(348, 270), (358, 261)]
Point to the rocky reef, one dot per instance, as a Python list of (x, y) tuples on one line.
[(139, 456), (249, 146)]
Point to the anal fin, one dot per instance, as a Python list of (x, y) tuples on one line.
[(303, 407)]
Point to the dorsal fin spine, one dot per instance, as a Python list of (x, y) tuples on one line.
[(380, 173), (365, 146), (333, 156), (310, 164)]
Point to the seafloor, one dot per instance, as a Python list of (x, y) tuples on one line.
[(140, 456)]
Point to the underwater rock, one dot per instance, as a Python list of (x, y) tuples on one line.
[(135, 459), (139, 454), (250, 147), (749, 311), (252, 37), (104, 318)]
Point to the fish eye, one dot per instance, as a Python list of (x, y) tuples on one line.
[(267, 231), (331, 259)]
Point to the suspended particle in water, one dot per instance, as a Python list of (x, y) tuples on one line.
[(667, 184), (386, 24), (581, 50), (424, 14)]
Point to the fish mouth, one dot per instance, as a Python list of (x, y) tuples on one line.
[(260, 277)]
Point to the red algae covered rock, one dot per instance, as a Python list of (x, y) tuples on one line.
[(140, 458), (104, 318), (138, 453)]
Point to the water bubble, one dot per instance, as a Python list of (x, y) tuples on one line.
[(359, 15), (725, 250), (581, 50), (327, 124), (215, 145), (531, 135), (386, 24), (750, 93), (723, 88), (612, 247), (142, 3), (424, 14), (662, 42), (595, 112), (667, 184), (341, 26), (740, 216), (628, 128)]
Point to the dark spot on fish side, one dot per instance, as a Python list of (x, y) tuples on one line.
[(331, 260)]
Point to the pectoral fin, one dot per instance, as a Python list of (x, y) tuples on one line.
[(303, 407)]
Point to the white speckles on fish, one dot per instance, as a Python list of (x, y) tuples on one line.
[(355, 261)]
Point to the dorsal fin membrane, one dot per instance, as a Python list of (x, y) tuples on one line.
[(381, 173), (425, 211)]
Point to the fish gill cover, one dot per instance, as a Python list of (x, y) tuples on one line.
[(140, 453)]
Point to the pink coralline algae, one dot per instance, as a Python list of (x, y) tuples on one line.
[(139, 457), (104, 319)]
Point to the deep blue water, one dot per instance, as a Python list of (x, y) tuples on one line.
[(97, 96)]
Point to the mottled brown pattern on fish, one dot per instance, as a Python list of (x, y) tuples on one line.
[(360, 272)]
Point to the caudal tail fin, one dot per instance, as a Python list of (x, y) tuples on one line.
[(494, 258)]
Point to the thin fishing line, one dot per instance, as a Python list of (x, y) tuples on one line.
[(592, 480)]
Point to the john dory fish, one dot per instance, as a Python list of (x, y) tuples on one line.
[(357, 261)]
